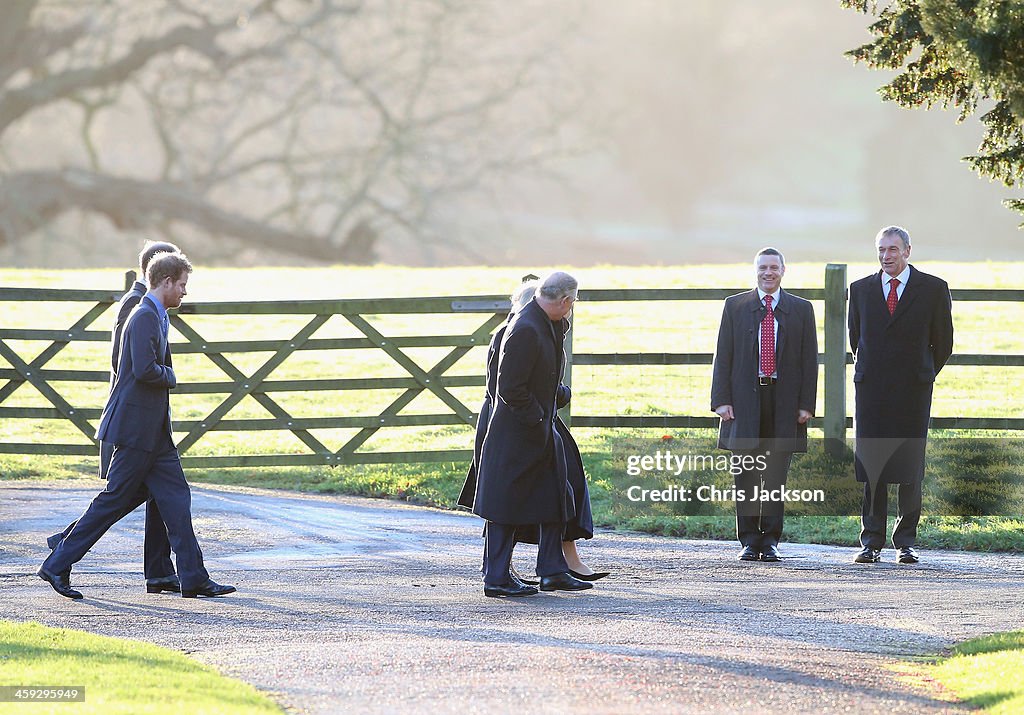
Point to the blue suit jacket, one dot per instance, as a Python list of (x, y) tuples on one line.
[(137, 413)]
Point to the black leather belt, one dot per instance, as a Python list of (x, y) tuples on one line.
[(765, 381)]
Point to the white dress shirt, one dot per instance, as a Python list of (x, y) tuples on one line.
[(903, 277)]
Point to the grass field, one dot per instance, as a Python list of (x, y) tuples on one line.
[(598, 390), (118, 675), (985, 672)]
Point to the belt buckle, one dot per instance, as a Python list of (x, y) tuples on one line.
[(764, 380)]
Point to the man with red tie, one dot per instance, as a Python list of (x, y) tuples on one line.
[(901, 334), (763, 387)]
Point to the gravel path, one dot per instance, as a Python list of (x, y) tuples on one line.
[(368, 606)]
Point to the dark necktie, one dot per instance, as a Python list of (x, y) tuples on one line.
[(768, 339), (893, 297)]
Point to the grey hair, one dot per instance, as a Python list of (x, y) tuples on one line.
[(558, 285), (769, 251), (522, 295), (894, 231)]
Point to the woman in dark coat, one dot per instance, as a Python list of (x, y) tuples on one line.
[(568, 458)]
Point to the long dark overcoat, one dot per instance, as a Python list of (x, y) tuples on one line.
[(896, 359), (519, 478), (734, 377), (468, 494)]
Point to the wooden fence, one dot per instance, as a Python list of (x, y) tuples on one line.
[(417, 379)]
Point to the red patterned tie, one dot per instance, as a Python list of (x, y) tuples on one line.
[(893, 298), (768, 339)]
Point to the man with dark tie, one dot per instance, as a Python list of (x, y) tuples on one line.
[(137, 421), (901, 334), (764, 387), (519, 482), (157, 565)]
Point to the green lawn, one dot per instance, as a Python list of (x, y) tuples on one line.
[(119, 676), (598, 390), (986, 672)]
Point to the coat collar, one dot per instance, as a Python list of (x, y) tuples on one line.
[(754, 301), (910, 291)]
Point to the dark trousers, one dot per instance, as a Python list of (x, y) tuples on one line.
[(499, 541), (875, 510), (156, 560), (134, 474), (759, 523)]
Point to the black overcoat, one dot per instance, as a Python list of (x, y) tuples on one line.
[(519, 479), (734, 376), (468, 494), (896, 359)]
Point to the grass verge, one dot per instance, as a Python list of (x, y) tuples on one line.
[(985, 672), (119, 676)]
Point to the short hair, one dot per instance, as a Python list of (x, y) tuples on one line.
[(167, 265), (769, 251), (894, 231), (557, 285), (522, 295), (151, 249)]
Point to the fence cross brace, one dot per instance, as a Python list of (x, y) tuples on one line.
[(247, 385)]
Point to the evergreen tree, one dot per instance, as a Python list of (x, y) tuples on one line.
[(963, 54)]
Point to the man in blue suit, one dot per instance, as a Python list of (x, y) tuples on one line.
[(157, 565), (137, 421)]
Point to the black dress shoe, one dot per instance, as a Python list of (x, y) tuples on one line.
[(61, 583), (749, 553), (209, 589), (868, 556), (158, 585), (589, 576), (908, 555), (52, 541), (563, 582), (509, 590), (771, 553)]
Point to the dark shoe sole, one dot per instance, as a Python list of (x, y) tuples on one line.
[(160, 588), (197, 594), (862, 560), (589, 577), (566, 588), (752, 557), (501, 594), (771, 559)]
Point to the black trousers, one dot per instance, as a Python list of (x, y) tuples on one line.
[(134, 475), (500, 539), (875, 510), (759, 523)]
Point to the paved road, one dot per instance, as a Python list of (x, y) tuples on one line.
[(366, 606)]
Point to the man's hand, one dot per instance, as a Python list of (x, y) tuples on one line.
[(725, 412), (803, 417)]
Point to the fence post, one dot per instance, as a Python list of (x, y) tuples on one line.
[(129, 280), (835, 359)]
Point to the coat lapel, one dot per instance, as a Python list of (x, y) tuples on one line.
[(782, 316)]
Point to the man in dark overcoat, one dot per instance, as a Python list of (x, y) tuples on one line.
[(157, 565), (519, 482), (901, 334), (764, 387)]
